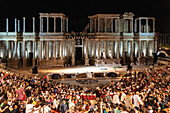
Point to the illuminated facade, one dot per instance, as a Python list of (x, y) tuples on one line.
[(107, 38)]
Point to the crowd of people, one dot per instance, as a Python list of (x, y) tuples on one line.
[(144, 92)]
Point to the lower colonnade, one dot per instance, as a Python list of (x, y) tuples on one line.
[(66, 52)]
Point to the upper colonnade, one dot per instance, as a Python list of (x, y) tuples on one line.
[(49, 23), (124, 24), (112, 24)]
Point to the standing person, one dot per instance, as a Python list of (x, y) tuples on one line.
[(137, 101), (116, 98), (128, 101), (63, 107), (28, 92), (29, 106), (19, 93)]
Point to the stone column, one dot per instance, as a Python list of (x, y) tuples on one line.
[(7, 48), (66, 25), (147, 30), (18, 49), (153, 25), (124, 25), (132, 49), (33, 24), (58, 54), (87, 59), (54, 52), (15, 50), (24, 57), (156, 45), (118, 25), (139, 25), (34, 56), (18, 25), (132, 25), (91, 29), (47, 24), (62, 50), (15, 25), (6, 24), (105, 26), (73, 54), (33, 49), (51, 49), (111, 49), (105, 49), (111, 27), (139, 52), (118, 49), (23, 24), (61, 24), (24, 47), (91, 48), (94, 48), (153, 46), (47, 50), (146, 54), (54, 24), (98, 49), (98, 25), (124, 50), (41, 48), (41, 24), (136, 25), (86, 48)]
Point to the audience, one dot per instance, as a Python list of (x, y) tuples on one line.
[(144, 92)]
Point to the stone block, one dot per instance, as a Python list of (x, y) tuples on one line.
[(24, 62)]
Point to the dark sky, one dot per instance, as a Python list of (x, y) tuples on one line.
[(77, 11)]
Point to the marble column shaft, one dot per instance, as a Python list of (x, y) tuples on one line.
[(54, 24), (139, 49), (62, 50), (15, 49), (41, 49), (98, 49), (47, 50), (112, 49), (7, 25), (54, 52), (105, 49), (86, 48), (117, 49)]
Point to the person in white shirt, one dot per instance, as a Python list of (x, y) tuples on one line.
[(116, 98), (29, 106), (123, 97), (71, 104), (137, 101)]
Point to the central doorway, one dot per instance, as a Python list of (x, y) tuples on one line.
[(78, 60)]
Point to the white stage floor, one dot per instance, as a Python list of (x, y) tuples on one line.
[(84, 69)]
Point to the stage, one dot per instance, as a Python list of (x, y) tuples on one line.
[(83, 69)]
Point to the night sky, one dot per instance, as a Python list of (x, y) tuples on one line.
[(78, 11)]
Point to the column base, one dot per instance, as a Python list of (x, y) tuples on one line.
[(87, 62), (73, 61)]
